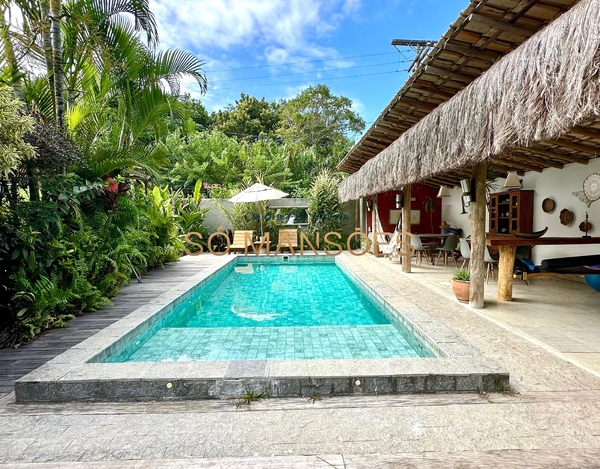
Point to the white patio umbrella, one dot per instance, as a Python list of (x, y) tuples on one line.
[(257, 193)]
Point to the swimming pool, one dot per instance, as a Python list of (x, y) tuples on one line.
[(82, 374), (275, 309)]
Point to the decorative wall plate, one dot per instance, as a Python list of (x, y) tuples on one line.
[(581, 196), (591, 187), (548, 205), (585, 226), (566, 216)]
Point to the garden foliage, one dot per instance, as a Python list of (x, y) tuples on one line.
[(102, 161)]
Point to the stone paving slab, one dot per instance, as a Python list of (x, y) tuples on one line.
[(430, 425), (531, 367), (533, 459)]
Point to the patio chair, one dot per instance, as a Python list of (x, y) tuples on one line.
[(420, 250), (448, 249), (240, 240), (389, 249), (288, 238), (490, 262), (465, 252), (382, 243)]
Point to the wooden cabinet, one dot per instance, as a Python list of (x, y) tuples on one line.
[(511, 212)]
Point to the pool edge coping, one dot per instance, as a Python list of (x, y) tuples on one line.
[(71, 377)]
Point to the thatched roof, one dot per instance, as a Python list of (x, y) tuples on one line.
[(512, 114), (484, 32)]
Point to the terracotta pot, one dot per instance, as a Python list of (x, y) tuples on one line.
[(461, 289)]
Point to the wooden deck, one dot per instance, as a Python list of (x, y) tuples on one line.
[(15, 363)]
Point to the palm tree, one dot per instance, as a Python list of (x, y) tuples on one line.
[(12, 75), (57, 61), (62, 38), (118, 88), (126, 108)]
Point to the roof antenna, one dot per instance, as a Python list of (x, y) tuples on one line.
[(420, 48)]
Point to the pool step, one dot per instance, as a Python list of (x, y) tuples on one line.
[(272, 343)]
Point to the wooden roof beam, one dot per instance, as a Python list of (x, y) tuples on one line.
[(441, 182), (431, 70), (558, 156), (488, 55), (446, 179), (501, 167), (524, 31), (428, 87), (573, 146), (517, 165), (545, 162), (401, 116), (595, 134), (409, 102), (373, 144)]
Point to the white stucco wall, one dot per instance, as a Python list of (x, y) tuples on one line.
[(558, 184)]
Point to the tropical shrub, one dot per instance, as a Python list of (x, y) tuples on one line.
[(324, 210), (13, 126), (73, 250)]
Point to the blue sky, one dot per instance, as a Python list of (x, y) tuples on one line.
[(276, 48)]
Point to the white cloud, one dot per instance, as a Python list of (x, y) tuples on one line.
[(358, 106), (293, 91), (286, 35), (281, 26)]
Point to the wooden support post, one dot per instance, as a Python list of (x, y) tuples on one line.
[(363, 215), (374, 215), (477, 263), (505, 272), (406, 229)]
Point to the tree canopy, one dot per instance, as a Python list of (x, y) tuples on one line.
[(289, 141), (248, 119), (316, 118)]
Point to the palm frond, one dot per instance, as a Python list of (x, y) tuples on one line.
[(172, 65), (39, 97)]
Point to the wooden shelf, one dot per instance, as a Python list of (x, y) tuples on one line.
[(511, 212)]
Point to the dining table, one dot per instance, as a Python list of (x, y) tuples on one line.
[(507, 247)]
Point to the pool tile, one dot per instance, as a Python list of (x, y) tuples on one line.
[(345, 333)]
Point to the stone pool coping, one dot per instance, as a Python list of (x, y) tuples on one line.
[(71, 377)]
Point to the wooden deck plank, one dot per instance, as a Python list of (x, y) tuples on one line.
[(15, 363)]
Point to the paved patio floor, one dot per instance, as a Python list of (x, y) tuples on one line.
[(551, 420), (560, 314)]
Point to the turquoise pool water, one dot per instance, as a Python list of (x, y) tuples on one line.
[(274, 310), (267, 295)]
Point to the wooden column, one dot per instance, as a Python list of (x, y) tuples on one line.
[(406, 228), (362, 215), (374, 212), (477, 263), (505, 272)]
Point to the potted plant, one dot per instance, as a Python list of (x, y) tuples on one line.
[(461, 282)]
